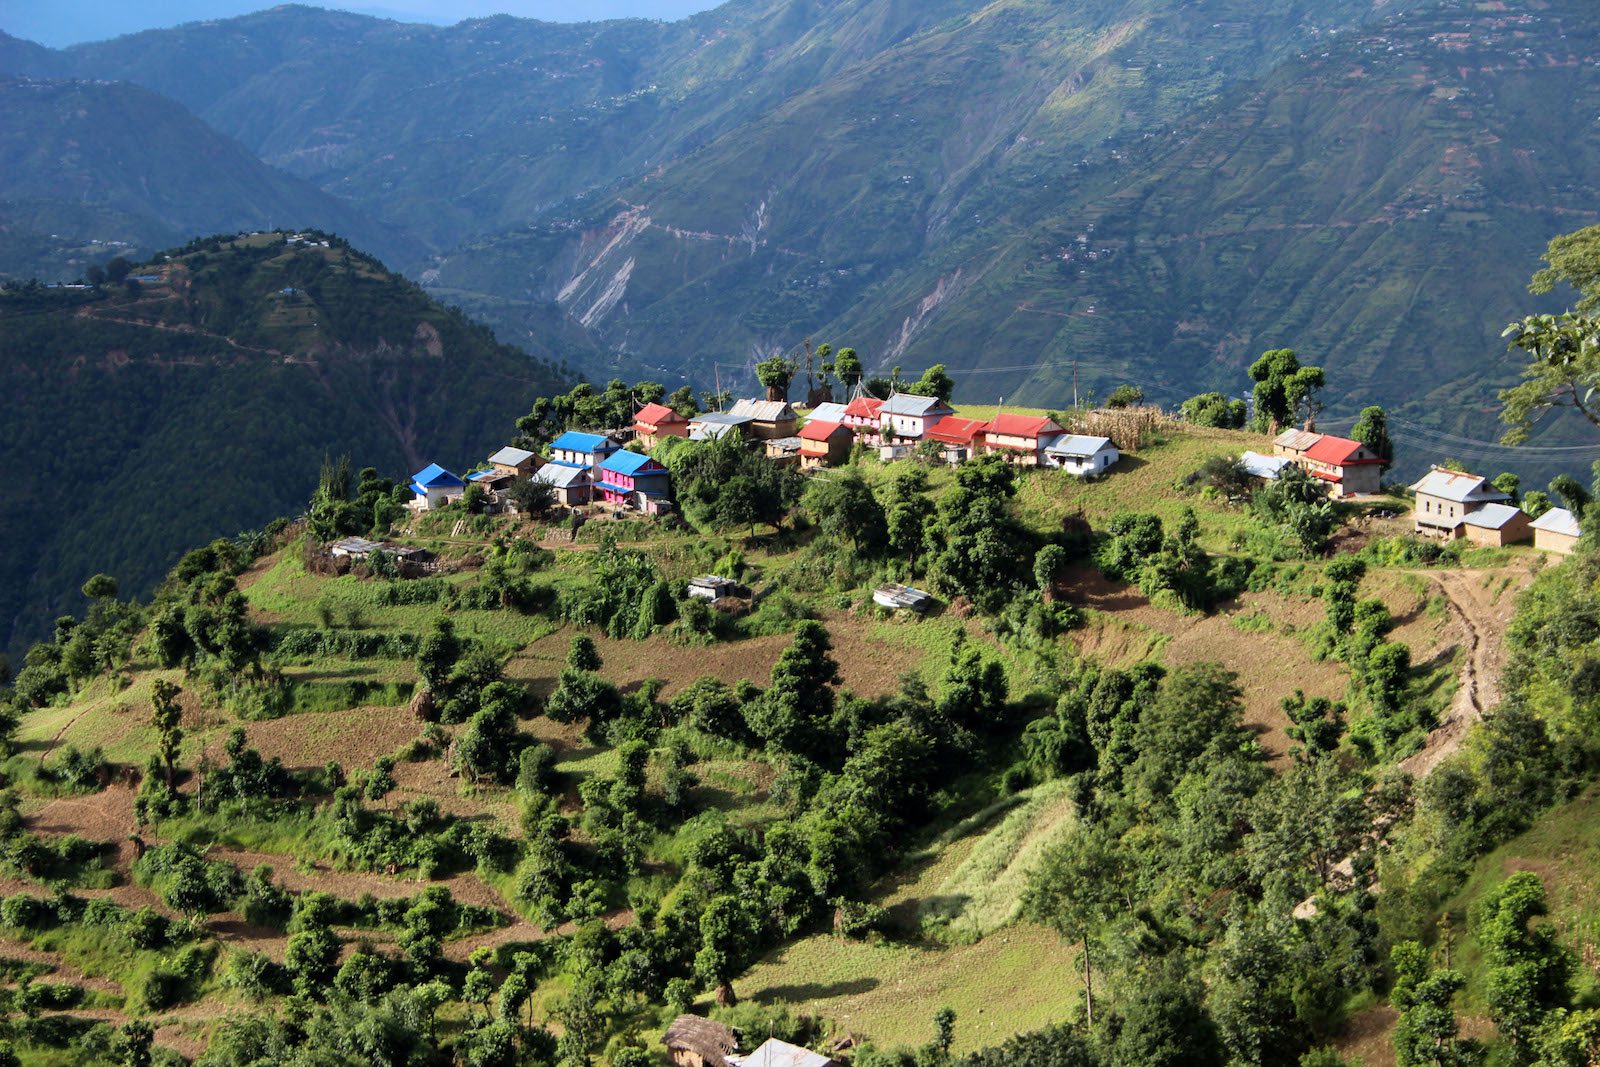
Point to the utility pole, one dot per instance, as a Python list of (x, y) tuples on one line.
[(1074, 385)]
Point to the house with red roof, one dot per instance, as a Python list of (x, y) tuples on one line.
[(654, 421), (824, 444), (1020, 438), (960, 438), (1349, 467), (862, 416)]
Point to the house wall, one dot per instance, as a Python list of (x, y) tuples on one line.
[(1435, 514), (1359, 478), (905, 425), (767, 431), (1021, 450), (1083, 466), (1512, 532), (1550, 541)]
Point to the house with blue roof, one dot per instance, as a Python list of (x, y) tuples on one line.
[(433, 487), (633, 479), (575, 449)]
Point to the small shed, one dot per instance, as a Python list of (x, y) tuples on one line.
[(711, 425), (1556, 531), (1497, 524), (1081, 455), (899, 597), (1263, 468), (693, 1041), (711, 586), (784, 450), (354, 547)]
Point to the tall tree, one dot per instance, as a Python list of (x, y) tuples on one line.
[(1284, 390), (1074, 890), (847, 365), (165, 715), (776, 374)]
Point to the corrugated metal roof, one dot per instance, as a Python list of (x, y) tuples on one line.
[(1075, 444), (821, 431), (912, 404), (1297, 440), (864, 407), (436, 477), (511, 457), (1260, 466), (763, 410), (1022, 425), (1491, 516), (630, 463), (1458, 486), (1559, 521), (656, 414), (562, 475), (1339, 451), (573, 441), (956, 431), (775, 1053), (829, 412)]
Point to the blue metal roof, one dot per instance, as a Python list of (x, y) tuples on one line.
[(626, 462), (573, 441), (436, 477)]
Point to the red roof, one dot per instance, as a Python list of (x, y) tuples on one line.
[(656, 414), (820, 431), (1022, 425), (1338, 452), (956, 431), (1325, 476), (863, 407)]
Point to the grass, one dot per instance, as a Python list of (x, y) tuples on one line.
[(1016, 980), (984, 892)]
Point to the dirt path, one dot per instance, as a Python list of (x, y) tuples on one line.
[(1480, 605)]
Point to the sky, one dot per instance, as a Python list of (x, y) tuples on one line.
[(58, 23)]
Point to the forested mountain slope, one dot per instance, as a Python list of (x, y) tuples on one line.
[(141, 423)]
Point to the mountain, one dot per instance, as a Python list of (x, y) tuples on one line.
[(203, 403), (89, 169), (1035, 194)]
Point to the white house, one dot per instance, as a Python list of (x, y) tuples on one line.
[(907, 416), (1079, 454), (433, 487)]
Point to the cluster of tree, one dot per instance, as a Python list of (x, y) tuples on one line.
[(1214, 409), (1169, 567), (457, 676), (1297, 506), (626, 595), (97, 644), (725, 483), (1286, 392), (1356, 634), (586, 408), (1188, 857), (340, 509)]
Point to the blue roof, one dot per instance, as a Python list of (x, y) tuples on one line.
[(573, 441), (435, 477), (626, 462)]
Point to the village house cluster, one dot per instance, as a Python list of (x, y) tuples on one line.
[(599, 468)]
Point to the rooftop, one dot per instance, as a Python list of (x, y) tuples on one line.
[(912, 404), (763, 410), (656, 414), (1491, 516), (630, 463), (1296, 439), (1340, 452), (511, 457), (562, 475), (574, 441), (1077, 444), (1459, 486), (1558, 521), (1022, 425), (434, 476), (775, 1053), (821, 431), (956, 431), (829, 412)]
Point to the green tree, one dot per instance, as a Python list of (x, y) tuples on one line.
[(1372, 430), (166, 715), (934, 382), (100, 587), (846, 512), (1428, 1033), (1125, 396), (1213, 409), (1563, 370), (1074, 891), (1285, 390), (582, 655), (847, 365), (776, 373), (727, 945), (1529, 972)]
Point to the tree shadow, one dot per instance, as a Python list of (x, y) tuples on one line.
[(805, 991)]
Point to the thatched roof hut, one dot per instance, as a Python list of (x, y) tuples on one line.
[(694, 1041)]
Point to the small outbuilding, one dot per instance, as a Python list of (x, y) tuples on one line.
[(1080, 454), (1497, 524), (783, 450), (694, 1041), (897, 597), (712, 586), (1263, 468), (1556, 531), (959, 439)]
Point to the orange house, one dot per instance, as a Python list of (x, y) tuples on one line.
[(824, 444)]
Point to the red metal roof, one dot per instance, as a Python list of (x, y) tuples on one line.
[(1022, 425), (1338, 451), (656, 414), (863, 407), (956, 431), (819, 431), (1325, 476)]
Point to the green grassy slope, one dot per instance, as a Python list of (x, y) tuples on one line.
[(140, 425)]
